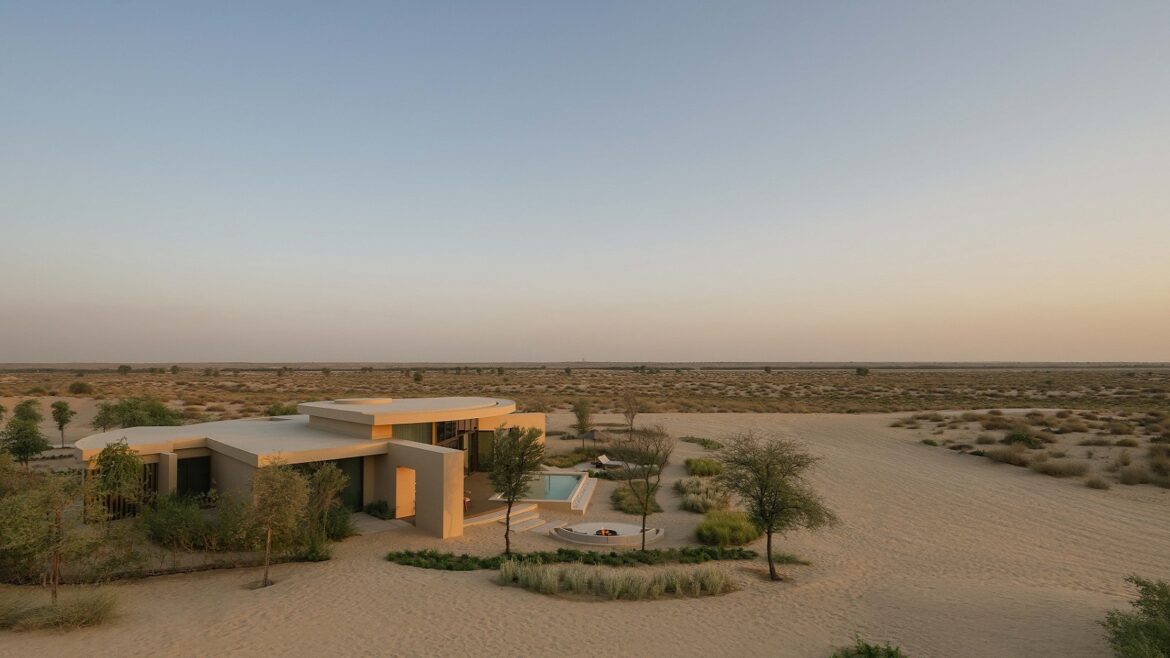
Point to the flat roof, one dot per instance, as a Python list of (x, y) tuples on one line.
[(258, 440), (390, 411)]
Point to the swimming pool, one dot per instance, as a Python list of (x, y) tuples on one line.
[(554, 489)]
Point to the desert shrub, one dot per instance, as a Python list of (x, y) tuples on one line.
[(1126, 443), (379, 509), (431, 559), (630, 586), (570, 459), (1159, 452), (703, 467), (726, 528), (80, 388), (1097, 441), (625, 500), (1118, 428), (1145, 631), (1057, 454), (1160, 466), (1060, 468), (82, 610), (1096, 482), (278, 409), (930, 442), (1135, 474), (1023, 438), (339, 524), (863, 649), (984, 439), (1016, 456), (708, 444), (181, 523)]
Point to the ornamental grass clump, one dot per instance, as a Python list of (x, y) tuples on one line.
[(613, 585)]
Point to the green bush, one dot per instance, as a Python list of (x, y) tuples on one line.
[(281, 409), (625, 500), (339, 524), (181, 523), (726, 528), (1144, 632), (929, 442), (703, 467), (709, 444), (431, 559), (863, 649), (87, 609), (80, 388), (1023, 438), (379, 509), (571, 459)]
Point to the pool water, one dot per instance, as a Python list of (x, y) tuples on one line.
[(553, 487)]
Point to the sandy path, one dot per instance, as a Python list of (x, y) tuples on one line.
[(946, 554)]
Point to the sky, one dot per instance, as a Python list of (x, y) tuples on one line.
[(662, 181)]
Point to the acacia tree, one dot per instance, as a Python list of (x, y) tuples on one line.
[(631, 406), (280, 496), (583, 410), (29, 410), (768, 475), (22, 438), (62, 415), (644, 455), (517, 453)]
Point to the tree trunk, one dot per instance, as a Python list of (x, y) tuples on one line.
[(771, 562), (62, 437), (508, 529), (268, 554)]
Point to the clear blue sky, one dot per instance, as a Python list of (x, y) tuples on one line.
[(545, 181)]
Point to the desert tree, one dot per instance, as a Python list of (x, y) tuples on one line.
[(280, 497), (644, 454), (583, 411), (326, 482), (28, 410), (768, 476), (62, 415), (517, 454), (118, 477), (22, 438), (631, 406)]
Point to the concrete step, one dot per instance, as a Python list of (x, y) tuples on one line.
[(522, 516), (527, 524), (496, 515)]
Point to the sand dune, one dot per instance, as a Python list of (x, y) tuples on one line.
[(944, 554)]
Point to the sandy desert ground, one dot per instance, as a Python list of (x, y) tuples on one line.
[(944, 554)]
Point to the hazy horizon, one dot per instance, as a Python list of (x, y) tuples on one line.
[(684, 182)]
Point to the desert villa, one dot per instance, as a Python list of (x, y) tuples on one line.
[(411, 453)]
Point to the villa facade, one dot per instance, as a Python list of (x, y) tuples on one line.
[(412, 453)]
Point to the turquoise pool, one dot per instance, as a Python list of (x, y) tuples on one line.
[(553, 487)]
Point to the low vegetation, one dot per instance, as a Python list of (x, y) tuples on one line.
[(726, 528), (430, 559), (708, 444), (613, 585), (628, 500), (572, 458), (1144, 631), (703, 467), (71, 612), (701, 495), (863, 649)]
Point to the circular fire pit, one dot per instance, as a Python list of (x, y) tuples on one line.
[(607, 534)]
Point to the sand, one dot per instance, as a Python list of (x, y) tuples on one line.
[(944, 554)]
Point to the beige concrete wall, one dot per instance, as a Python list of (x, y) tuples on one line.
[(438, 485), (230, 475), (168, 472), (530, 419), (405, 483), (356, 430)]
